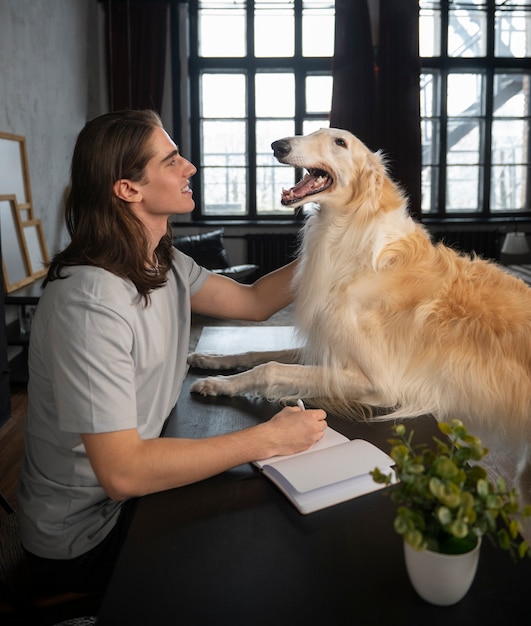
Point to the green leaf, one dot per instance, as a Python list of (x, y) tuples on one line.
[(416, 468), (444, 515), (401, 525), (514, 528), (400, 430), (467, 500), (415, 539), (503, 539), (459, 529), (400, 454), (523, 549), (445, 428), (379, 477), (445, 468), (435, 486), (482, 487), (493, 501)]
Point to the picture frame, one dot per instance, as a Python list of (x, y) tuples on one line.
[(14, 171), (35, 248), (16, 270)]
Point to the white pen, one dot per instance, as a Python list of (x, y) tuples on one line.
[(300, 404)]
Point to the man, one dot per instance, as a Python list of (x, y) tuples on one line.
[(108, 355)]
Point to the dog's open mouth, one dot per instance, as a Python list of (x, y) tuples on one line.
[(314, 181)]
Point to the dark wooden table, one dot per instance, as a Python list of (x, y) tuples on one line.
[(231, 550)]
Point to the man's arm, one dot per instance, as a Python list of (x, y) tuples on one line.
[(223, 297), (128, 466)]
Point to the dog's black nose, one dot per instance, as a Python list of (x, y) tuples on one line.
[(281, 148)]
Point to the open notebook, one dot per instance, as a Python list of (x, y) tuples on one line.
[(333, 470)]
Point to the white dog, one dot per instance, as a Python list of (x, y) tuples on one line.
[(390, 319)]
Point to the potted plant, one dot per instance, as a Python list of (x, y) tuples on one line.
[(445, 505)]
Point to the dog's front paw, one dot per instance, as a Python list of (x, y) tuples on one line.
[(204, 361), (210, 386)]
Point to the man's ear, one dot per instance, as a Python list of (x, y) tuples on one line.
[(127, 190)]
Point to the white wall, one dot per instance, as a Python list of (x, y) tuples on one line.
[(50, 85)]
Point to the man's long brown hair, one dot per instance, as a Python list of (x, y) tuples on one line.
[(104, 231)]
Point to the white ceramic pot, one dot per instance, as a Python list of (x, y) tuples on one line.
[(441, 579)]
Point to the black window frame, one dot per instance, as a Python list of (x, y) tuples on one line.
[(249, 65), (488, 66)]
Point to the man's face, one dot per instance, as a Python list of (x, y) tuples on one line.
[(166, 190)]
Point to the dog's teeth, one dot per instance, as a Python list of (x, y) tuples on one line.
[(287, 193)]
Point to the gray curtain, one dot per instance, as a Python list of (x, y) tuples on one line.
[(136, 52), (376, 87)]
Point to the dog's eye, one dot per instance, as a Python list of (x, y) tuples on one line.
[(341, 142)]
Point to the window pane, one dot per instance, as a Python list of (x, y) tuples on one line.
[(224, 167), (275, 95), (310, 126), (223, 143), (467, 29), (462, 188), (430, 94), (271, 176), (511, 95), (509, 140), (512, 28), (463, 142), (223, 95), (429, 183), (274, 28), (266, 133), (318, 94), (430, 141), (429, 29), (318, 22), (225, 18), (224, 190), (269, 184), (508, 187), (465, 95)]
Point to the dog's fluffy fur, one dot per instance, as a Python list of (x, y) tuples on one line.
[(389, 318)]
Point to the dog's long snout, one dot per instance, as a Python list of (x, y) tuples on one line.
[(281, 148)]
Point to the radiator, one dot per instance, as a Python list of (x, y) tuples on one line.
[(484, 243), (271, 250)]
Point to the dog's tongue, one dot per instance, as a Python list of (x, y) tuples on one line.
[(309, 184)]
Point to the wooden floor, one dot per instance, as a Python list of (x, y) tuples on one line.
[(12, 446)]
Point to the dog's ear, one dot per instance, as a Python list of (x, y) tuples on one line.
[(390, 195), (374, 189), (378, 166), (369, 178)]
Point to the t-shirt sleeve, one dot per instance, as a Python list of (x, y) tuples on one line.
[(197, 274), (92, 363)]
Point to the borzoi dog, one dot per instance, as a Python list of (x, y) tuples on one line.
[(389, 318)]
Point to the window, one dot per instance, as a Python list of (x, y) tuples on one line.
[(266, 77), (475, 108)]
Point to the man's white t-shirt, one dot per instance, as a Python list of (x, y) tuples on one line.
[(100, 360)]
